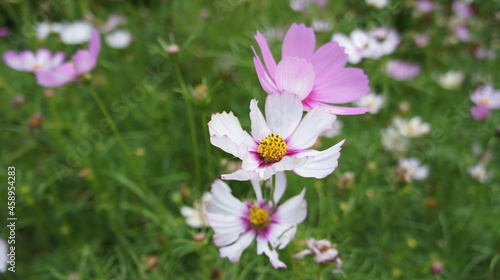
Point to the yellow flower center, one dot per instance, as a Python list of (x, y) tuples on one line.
[(485, 102), (272, 148), (259, 218)]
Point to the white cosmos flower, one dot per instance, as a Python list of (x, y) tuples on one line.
[(451, 79), (379, 4), (387, 38), (119, 39), (76, 32), (196, 216), (479, 172), (486, 96), (411, 128), (392, 140), (237, 223), (3, 256), (372, 101), (335, 131), (411, 168), (279, 142), (353, 53)]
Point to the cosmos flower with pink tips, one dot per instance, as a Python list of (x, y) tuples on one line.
[(318, 77), (83, 61), (27, 61), (237, 223)]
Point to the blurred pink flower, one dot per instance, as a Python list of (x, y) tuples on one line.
[(28, 61), (401, 70), (316, 77), (83, 61), (424, 6), (480, 112), (462, 10), (486, 96), (323, 252), (4, 31)]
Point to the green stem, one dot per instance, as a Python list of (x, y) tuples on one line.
[(206, 138), (192, 127)]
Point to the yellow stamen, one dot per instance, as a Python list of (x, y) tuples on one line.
[(259, 218), (272, 148)]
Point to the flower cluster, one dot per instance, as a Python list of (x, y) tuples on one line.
[(485, 98), (280, 140)]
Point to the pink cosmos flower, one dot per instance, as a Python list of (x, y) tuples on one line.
[(28, 61), (480, 112), (486, 96), (424, 6), (4, 31), (323, 252), (83, 61), (279, 142), (401, 70), (237, 223), (316, 77)]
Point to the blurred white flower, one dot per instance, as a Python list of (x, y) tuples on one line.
[(387, 38), (392, 140), (353, 54), (43, 29), (379, 4), (321, 25), (196, 216), (75, 32), (366, 44), (112, 22), (451, 79), (479, 172), (411, 169), (412, 128), (119, 39), (335, 131), (372, 101)]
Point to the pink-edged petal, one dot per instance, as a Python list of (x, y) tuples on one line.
[(312, 125), (263, 247), (227, 145), (295, 75), (266, 54), (302, 254), (58, 77), (328, 58), (223, 202), (336, 110), (283, 113), (83, 61), (299, 41), (260, 129), (293, 211), (286, 163), (227, 228), (95, 44), (324, 163), (280, 186), (266, 81), (233, 252), (343, 86), (12, 59)]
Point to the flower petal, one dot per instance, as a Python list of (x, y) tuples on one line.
[(233, 252), (227, 228), (226, 124), (313, 124), (295, 75), (283, 113), (263, 247), (12, 59), (83, 61), (328, 58), (223, 202), (280, 186), (299, 41), (95, 44), (58, 77), (257, 189), (344, 85), (302, 254), (259, 126), (241, 175), (266, 53), (323, 164), (293, 211), (336, 110), (266, 81)]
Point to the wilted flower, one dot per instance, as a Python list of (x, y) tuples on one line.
[(236, 223), (479, 172), (451, 79), (279, 142), (83, 61), (372, 101), (411, 168), (76, 32), (119, 39), (196, 216), (323, 252), (412, 128), (316, 77), (28, 61), (401, 70)]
